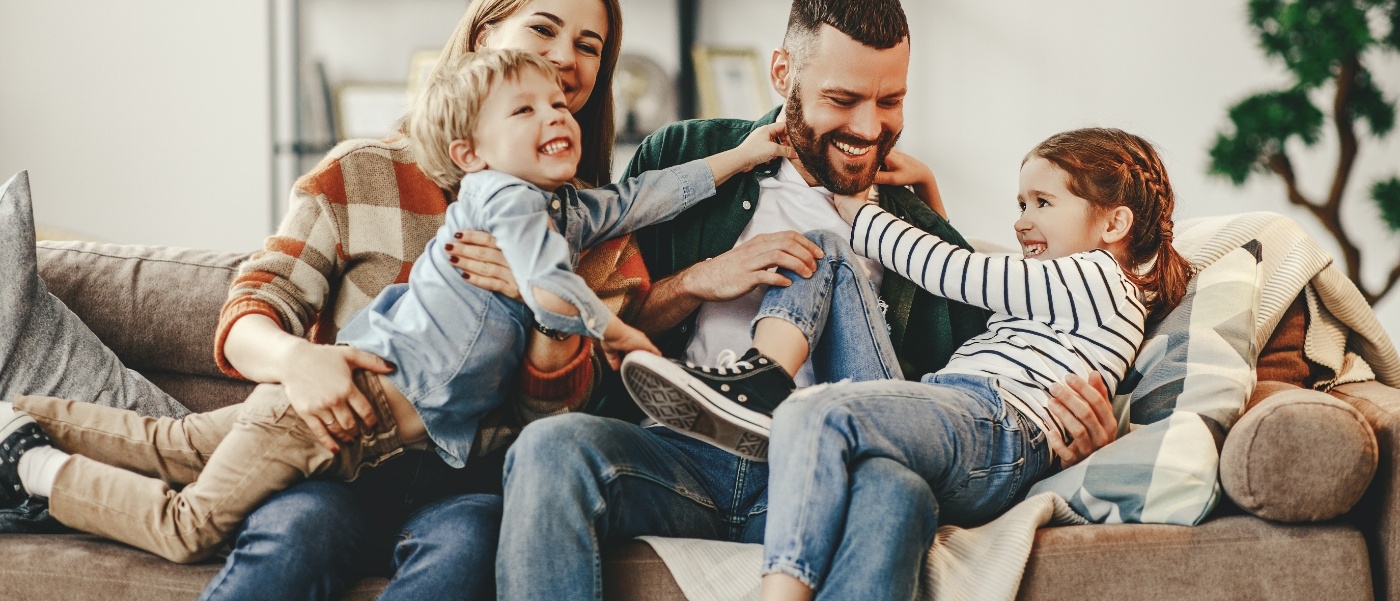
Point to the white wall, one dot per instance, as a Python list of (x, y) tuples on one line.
[(140, 121), (989, 80), (146, 121)]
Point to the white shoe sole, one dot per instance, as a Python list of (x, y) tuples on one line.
[(667, 394), (11, 420)]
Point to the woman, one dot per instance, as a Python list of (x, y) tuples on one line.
[(339, 245)]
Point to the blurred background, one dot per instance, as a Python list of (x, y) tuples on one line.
[(180, 123)]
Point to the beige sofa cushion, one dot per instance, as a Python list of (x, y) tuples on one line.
[(1298, 455), (155, 307)]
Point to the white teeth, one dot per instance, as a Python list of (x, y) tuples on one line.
[(1032, 251), (554, 147), (852, 150)]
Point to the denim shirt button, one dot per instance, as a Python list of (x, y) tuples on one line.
[(554, 205)]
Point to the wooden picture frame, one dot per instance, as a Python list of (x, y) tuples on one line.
[(731, 82)]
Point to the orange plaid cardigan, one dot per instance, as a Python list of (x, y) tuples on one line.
[(355, 224)]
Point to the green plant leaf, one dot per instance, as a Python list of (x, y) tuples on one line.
[(1368, 103), (1263, 124), (1386, 193), (1311, 36)]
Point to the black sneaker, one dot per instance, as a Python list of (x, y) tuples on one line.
[(730, 406), (18, 433)]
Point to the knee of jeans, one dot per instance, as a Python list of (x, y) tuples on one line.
[(550, 447), (806, 413), (457, 531), (313, 515), (833, 246)]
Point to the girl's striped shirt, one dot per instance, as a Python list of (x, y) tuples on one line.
[(1075, 314)]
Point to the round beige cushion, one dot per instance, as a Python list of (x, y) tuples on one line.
[(1298, 456)]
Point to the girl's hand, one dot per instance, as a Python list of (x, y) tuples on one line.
[(901, 169), (483, 264), (620, 339), (848, 206), (320, 387)]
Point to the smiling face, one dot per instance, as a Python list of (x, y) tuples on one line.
[(1055, 223), (845, 107), (525, 129), (568, 33)]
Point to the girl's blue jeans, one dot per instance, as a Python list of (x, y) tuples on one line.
[(964, 455)]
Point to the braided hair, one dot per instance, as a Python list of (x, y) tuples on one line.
[(1112, 168)]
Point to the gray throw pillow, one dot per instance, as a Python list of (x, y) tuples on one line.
[(44, 348)]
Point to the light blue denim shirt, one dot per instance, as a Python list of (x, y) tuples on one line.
[(457, 347)]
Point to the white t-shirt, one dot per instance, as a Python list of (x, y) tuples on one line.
[(785, 202)]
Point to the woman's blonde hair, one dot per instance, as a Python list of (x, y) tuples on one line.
[(595, 119), (449, 106)]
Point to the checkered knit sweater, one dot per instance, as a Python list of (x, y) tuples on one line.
[(354, 225)]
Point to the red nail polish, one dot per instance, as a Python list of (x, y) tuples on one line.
[(453, 259), (457, 235), (448, 247)]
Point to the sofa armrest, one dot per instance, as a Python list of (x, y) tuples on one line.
[(1378, 513)]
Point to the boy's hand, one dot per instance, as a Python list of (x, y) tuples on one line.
[(763, 144), (620, 339), (848, 206)]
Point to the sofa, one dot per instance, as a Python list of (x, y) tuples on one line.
[(157, 308)]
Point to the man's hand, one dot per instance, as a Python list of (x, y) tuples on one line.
[(319, 385), (620, 339), (747, 266), (1086, 411), (483, 264)]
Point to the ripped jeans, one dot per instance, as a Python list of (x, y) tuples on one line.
[(839, 312)]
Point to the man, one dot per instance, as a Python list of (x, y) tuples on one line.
[(576, 482)]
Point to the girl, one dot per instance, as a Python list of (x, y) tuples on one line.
[(1098, 265)]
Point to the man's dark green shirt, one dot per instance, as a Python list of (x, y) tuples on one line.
[(924, 328)]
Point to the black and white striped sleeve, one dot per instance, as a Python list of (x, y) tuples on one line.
[(1069, 290)]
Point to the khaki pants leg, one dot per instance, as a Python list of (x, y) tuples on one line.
[(267, 449), (174, 450)]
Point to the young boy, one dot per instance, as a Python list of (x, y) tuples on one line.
[(498, 124)]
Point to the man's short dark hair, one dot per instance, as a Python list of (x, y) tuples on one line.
[(878, 24)]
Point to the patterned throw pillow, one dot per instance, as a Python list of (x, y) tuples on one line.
[(1188, 385)]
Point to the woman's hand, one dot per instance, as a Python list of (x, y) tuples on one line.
[(1086, 411), (483, 264), (319, 384), (901, 169)]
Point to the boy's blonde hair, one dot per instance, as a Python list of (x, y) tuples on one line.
[(449, 105)]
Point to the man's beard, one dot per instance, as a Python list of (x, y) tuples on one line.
[(812, 150)]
